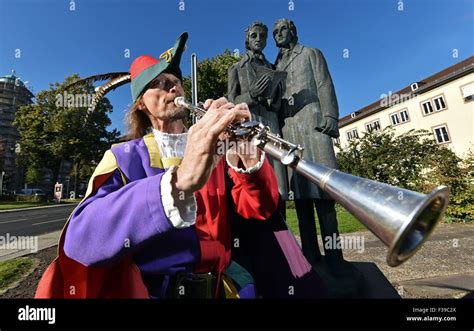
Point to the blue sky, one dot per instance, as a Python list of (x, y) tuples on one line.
[(388, 48)]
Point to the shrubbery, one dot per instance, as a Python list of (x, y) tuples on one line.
[(414, 161)]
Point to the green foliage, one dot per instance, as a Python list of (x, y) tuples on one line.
[(212, 77), (55, 128), (32, 175), (414, 161), (459, 177)]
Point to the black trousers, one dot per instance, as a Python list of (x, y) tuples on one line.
[(307, 224)]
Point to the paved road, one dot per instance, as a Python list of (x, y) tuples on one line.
[(34, 222)]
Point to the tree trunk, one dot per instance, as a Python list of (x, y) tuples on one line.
[(77, 171)]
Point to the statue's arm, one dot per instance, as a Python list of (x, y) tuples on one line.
[(326, 91), (234, 91)]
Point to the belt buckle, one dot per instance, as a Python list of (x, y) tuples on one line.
[(205, 281), (209, 277)]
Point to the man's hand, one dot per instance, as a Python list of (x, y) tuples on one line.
[(248, 153), (258, 87), (330, 125), (196, 166)]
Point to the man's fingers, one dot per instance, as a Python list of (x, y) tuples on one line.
[(210, 103), (228, 105), (216, 129), (214, 114), (215, 103), (242, 112), (207, 103)]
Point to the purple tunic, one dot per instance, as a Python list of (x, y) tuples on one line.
[(121, 220)]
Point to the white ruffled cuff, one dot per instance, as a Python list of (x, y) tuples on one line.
[(233, 159), (180, 208)]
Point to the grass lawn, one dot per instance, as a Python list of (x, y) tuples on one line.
[(5, 205), (346, 222), (12, 270)]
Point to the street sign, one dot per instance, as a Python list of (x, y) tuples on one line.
[(58, 192)]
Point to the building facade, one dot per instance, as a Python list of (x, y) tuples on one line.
[(442, 103), (13, 94)]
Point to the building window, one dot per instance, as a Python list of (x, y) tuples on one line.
[(439, 103), (404, 116), (441, 134), (373, 126), (395, 119), (336, 141), (468, 92), (352, 134), (427, 107)]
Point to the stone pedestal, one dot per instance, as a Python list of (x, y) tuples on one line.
[(356, 280)]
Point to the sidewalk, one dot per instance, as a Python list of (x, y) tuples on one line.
[(44, 241), (442, 268)]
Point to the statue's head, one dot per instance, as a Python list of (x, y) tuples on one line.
[(256, 36), (284, 32)]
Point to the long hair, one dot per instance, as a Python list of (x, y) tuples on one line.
[(137, 122)]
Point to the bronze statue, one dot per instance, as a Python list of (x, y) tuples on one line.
[(252, 80), (310, 118)]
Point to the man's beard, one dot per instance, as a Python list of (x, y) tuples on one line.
[(176, 113)]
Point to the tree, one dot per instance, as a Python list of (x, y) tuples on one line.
[(412, 160), (57, 127)]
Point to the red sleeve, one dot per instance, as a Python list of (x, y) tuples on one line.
[(255, 195)]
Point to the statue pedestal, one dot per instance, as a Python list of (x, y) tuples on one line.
[(357, 280)]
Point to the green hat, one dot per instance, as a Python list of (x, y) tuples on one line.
[(145, 68)]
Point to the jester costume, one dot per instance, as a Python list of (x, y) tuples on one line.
[(127, 239)]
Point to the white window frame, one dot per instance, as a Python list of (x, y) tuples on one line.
[(407, 116), (439, 127), (444, 101), (392, 116), (352, 134), (423, 108), (370, 126)]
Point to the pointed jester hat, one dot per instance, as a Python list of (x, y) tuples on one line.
[(142, 71), (145, 68)]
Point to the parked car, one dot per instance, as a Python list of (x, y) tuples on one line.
[(31, 191)]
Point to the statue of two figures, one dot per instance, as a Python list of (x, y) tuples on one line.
[(295, 97)]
